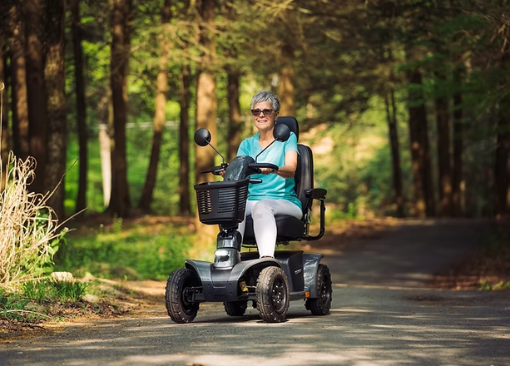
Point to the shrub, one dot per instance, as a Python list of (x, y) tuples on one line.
[(29, 229)]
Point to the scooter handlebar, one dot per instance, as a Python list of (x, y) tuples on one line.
[(216, 170), (258, 166)]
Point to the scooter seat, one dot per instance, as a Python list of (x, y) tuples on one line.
[(288, 227)]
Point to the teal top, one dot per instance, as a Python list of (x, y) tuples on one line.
[(273, 186)]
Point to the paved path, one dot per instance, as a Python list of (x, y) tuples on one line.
[(382, 314)]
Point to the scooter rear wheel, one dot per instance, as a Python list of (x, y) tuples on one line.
[(235, 308), (178, 296), (322, 304), (272, 294)]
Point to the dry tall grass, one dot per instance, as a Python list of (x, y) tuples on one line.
[(29, 228)]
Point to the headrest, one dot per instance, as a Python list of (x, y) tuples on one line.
[(291, 123)]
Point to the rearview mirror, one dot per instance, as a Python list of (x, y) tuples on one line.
[(281, 132), (202, 137)]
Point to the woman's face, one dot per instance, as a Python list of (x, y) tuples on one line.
[(266, 116)]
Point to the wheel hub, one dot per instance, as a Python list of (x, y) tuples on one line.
[(279, 296)]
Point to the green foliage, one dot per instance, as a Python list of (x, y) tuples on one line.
[(54, 290), (128, 254), (357, 169), (53, 244), (30, 234), (19, 307), (487, 286), (334, 215), (139, 136), (343, 58), (12, 307)]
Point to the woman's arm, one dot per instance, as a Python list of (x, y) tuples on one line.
[(288, 170)]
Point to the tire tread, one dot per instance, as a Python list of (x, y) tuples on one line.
[(173, 295), (264, 290)]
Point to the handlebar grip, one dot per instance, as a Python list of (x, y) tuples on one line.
[(257, 166), (216, 170)]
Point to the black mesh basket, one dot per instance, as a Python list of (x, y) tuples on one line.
[(222, 202)]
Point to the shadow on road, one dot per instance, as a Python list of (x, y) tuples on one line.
[(382, 314)]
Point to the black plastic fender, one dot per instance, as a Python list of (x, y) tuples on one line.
[(220, 285), (311, 264)]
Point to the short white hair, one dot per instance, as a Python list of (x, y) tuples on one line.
[(266, 96)]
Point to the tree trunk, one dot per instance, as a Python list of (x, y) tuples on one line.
[(502, 168), (235, 124), (505, 122), (36, 92), (120, 48), (4, 130), (427, 172), (501, 173), (159, 113), (395, 151), (184, 100), (206, 93), (105, 114), (206, 118), (206, 108), (443, 152), (55, 84), (81, 105), (420, 154), (457, 194), (286, 82), (20, 124), (416, 153)]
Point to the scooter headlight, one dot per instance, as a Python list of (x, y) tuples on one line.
[(221, 253)]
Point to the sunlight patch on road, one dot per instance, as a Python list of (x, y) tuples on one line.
[(294, 357)]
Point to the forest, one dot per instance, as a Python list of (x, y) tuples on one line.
[(406, 104)]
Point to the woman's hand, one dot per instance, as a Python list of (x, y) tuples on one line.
[(266, 171)]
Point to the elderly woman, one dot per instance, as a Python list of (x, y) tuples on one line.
[(276, 194)]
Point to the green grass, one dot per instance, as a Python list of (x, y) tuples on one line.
[(57, 291), (131, 254), (12, 307), (20, 306), (35, 300), (486, 286)]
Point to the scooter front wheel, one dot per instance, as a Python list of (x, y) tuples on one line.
[(178, 295), (272, 294)]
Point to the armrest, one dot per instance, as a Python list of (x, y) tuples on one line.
[(316, 193)]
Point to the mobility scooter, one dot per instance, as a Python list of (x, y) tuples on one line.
[(235, 277)]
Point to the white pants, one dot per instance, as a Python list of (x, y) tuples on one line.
[(264, 223)]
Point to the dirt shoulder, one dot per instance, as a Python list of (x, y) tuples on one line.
[(487, 268)]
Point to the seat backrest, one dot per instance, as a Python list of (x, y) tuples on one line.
[(304, 174), (304, 171)]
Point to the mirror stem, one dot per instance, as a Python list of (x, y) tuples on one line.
[(267, 147), (222, 158)]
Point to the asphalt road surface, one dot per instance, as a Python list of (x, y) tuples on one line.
[(382, 314)]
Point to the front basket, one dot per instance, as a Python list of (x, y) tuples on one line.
[(222, 202)]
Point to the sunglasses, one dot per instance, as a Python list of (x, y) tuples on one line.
[(256, 112)]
